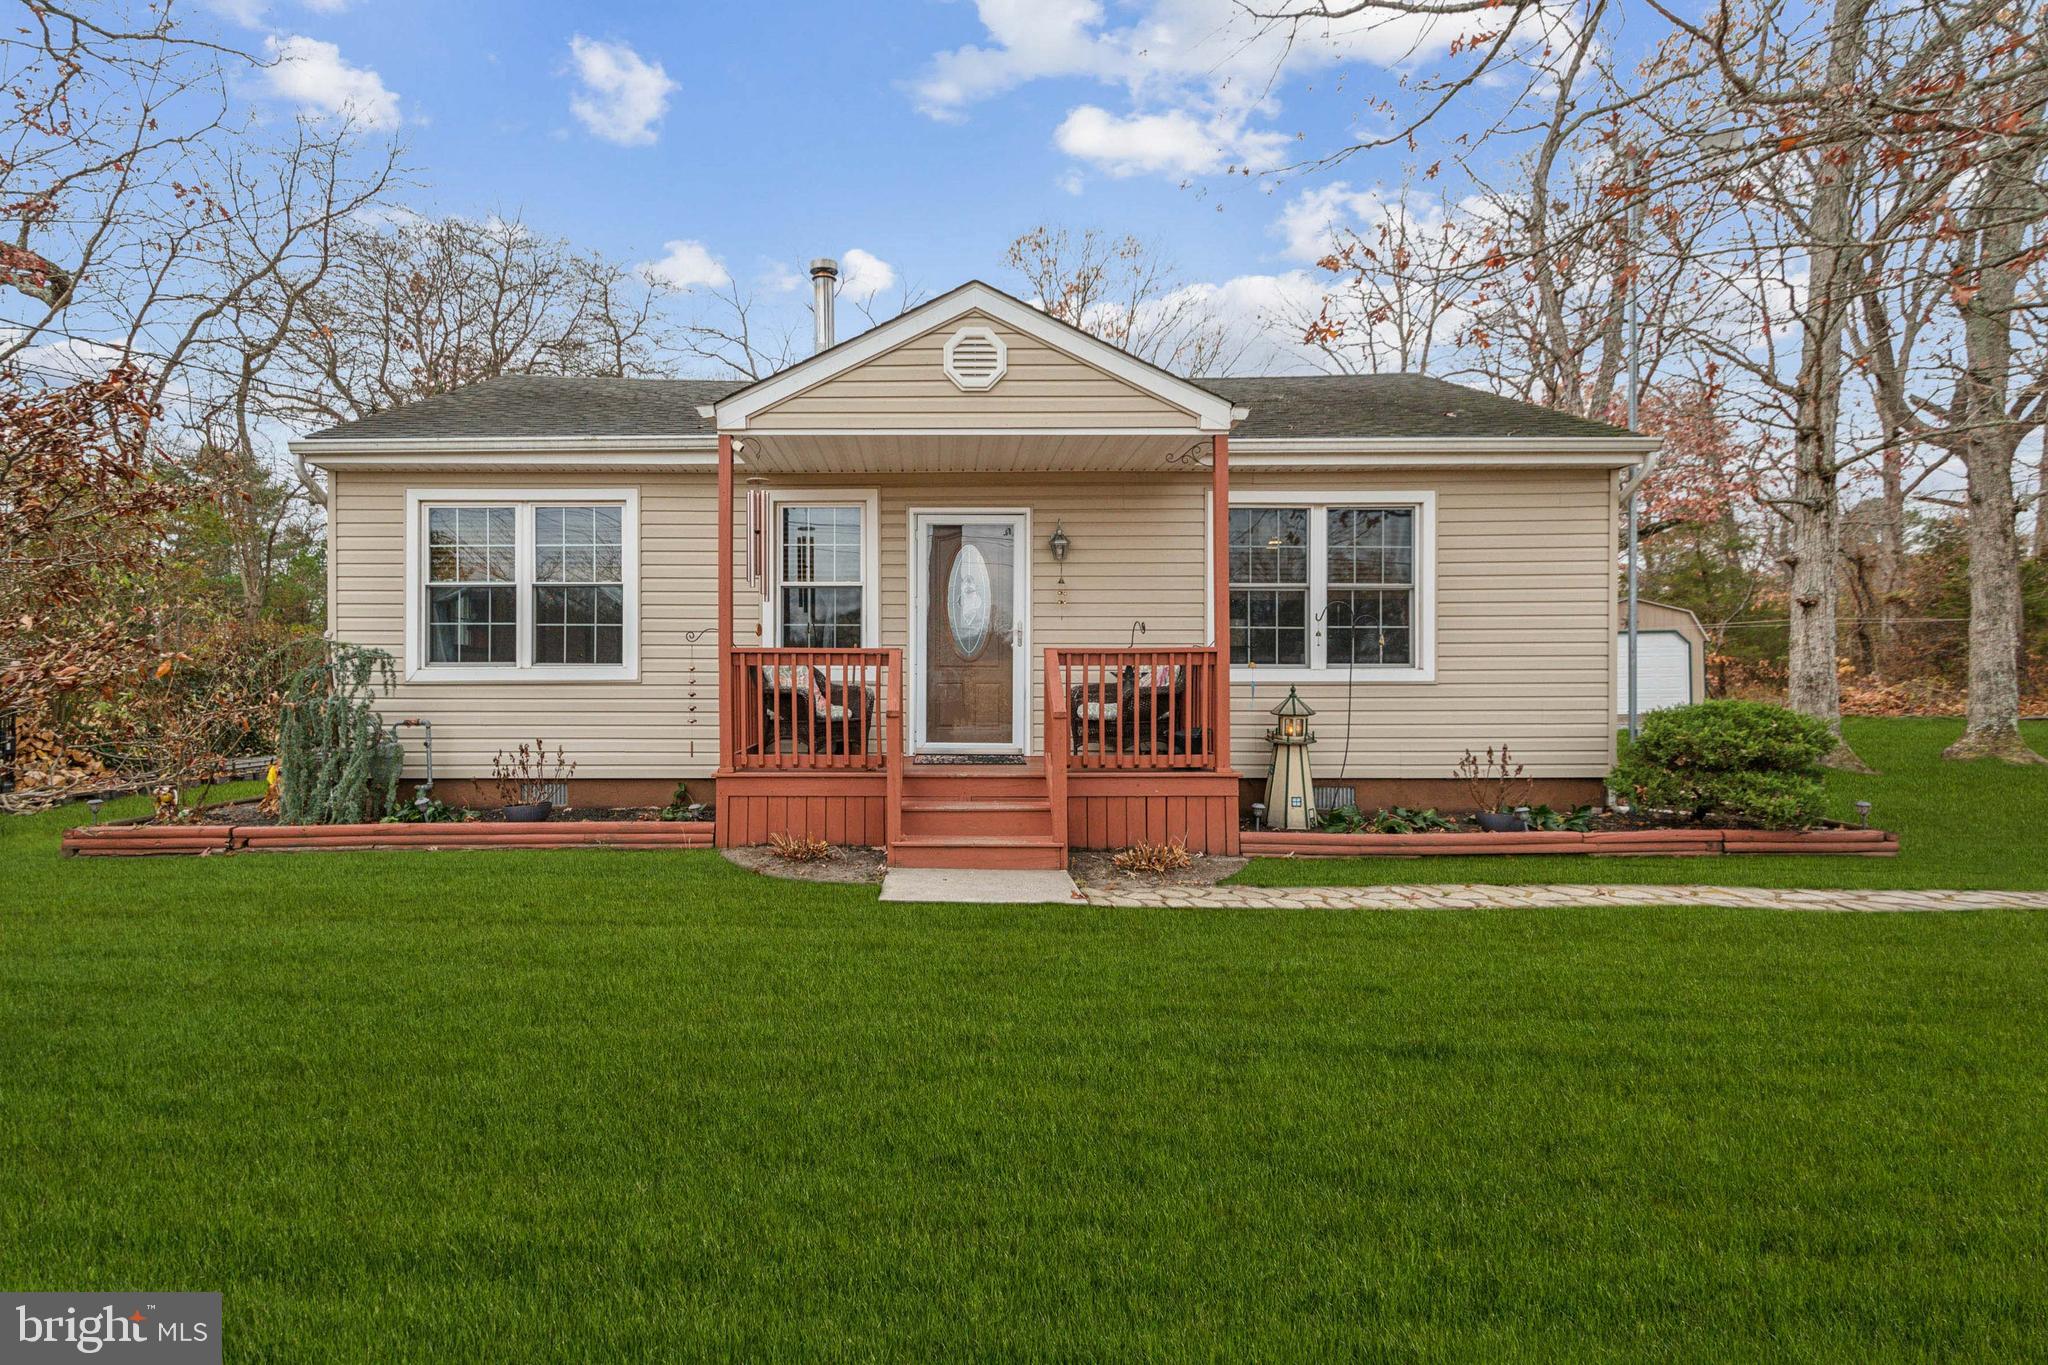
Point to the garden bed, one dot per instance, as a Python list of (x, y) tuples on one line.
[(1689, 841), (141, 839)]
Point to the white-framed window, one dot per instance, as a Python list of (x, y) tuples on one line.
[(1329, 585), (522, 585), (825, 559)]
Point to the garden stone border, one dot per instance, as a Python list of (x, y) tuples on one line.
[(147, 840), (1847, 841)]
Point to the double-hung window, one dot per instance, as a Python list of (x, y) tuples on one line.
[(523, 584), (1333, 586), (1269, 585), (825, 570)]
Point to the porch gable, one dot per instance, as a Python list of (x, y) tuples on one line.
[(931, 370)]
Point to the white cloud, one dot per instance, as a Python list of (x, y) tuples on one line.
[(864, 274), (1198, 74), (1030, 39), (777, 278), (1073, 182), (1172, 143), (314, 75), (687, 265), (325, 6), (1266, 314), (1309, 221), (623, 96)]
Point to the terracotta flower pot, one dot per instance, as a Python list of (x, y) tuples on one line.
[(531, 814)]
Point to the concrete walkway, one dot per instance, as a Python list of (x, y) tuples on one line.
[(977, 886), (1466, 897)]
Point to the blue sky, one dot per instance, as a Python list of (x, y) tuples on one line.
[(925, 133)]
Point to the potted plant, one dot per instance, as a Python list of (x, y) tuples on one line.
[(525, 778), (1497, 785)]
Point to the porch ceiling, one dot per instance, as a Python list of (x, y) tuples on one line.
[(969, 452)]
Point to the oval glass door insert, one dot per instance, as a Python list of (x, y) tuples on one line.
[(968, 601)]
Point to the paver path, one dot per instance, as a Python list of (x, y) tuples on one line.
[(1466, 897)]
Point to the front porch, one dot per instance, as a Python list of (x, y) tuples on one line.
[(933, 672), (1134, 751)]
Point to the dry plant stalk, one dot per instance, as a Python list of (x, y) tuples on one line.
[(1158, 859), (799, 850), (1497, 782)]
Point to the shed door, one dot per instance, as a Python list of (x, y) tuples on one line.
[(1664, 665)]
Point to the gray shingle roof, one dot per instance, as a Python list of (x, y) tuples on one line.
[(546, 405), (1390, 405), (1385, 405)]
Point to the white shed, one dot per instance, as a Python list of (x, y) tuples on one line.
[(1671, 649)]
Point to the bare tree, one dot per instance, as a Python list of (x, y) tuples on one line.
[(146, 209), (1393, 305), (1124, 291), (413, 306), (728, 330)]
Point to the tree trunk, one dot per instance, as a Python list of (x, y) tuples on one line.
[(2008, 207), (1993, 730), (1813, 687), (2041, 503), (1890, 563)]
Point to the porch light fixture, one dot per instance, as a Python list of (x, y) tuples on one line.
[(1059, 545), (1287, 789)]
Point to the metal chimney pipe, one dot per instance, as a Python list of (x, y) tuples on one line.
[(824, 284)]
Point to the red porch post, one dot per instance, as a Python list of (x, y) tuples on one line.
[(728, 708), (1219, 475)]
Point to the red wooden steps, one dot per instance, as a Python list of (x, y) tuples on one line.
[(962, 815)]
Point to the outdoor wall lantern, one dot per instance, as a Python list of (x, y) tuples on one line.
[(1059, 545), (1287, 790)]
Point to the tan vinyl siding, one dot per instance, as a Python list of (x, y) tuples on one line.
[(1524, 634), (1137, 554), (665, 724), (1524, 631), (906, 388)]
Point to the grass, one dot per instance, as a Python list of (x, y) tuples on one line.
[(1967, 826), (614, 1106)]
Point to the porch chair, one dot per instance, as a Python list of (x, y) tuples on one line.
[(800, 703), (1161, 710), (1092, 704), (845, 710)]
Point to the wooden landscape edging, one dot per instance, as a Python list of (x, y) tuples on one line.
[(1866, 843), (147, 840)]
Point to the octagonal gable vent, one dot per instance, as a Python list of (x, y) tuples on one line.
[(976, 358)]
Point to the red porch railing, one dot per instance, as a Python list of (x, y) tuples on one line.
[(810, 710), (1146, 709)]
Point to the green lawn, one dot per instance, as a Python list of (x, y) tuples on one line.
[(1970, 826), (620, 1106)]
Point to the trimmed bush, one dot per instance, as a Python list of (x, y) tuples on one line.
[(1742, 760)]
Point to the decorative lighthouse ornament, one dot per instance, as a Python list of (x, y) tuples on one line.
[(1290, 800)]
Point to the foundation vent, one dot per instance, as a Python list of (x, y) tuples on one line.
[(976, 358)]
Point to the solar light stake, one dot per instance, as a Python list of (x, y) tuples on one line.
[(1863, 813)]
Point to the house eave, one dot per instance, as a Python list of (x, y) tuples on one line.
[(1349, 452), (694, 451)]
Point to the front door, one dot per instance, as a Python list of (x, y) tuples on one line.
[(967, 631)]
